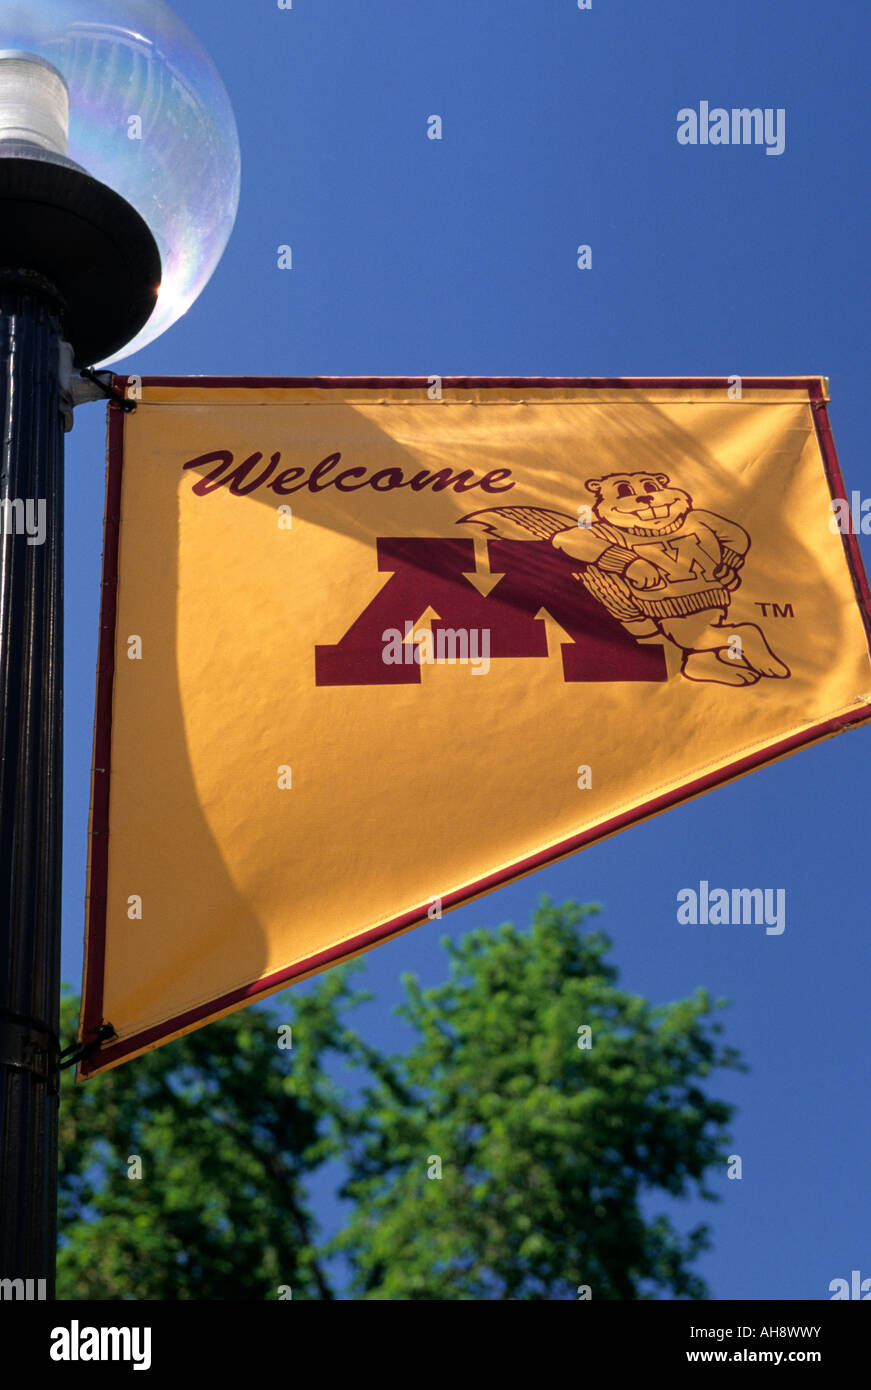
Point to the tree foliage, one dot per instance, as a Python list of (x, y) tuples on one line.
[(546, 1148), (498, 1158), (227, 1126)]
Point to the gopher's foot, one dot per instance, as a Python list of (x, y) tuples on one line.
[(758, 654), (706, 666)]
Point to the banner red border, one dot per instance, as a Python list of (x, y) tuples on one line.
[(95, 945)]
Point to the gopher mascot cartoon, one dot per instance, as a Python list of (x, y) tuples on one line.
[(663, 568)]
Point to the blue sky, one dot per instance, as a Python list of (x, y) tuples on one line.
[(417, 257)]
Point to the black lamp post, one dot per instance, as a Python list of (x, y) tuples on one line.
[(78, 266)]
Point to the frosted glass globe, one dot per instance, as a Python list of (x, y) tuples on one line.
[(150, 117)]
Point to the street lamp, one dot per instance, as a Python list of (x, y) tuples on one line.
[(150, 117), (119, 182)]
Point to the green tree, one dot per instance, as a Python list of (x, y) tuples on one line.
[(546, 1148), (228, 1126)]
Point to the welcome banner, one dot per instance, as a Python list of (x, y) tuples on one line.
[(370, 648)]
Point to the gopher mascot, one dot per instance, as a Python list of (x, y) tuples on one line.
[(660, 566)]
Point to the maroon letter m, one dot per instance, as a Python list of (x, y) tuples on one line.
[(431, 574)]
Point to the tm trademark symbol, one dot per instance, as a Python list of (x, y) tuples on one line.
[(779, 610)]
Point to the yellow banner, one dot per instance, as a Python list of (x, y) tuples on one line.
[(371, 648)]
